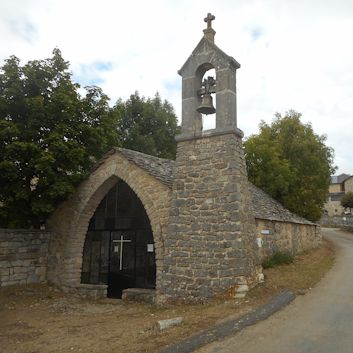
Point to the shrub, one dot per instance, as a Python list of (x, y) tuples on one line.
[(278, 258)]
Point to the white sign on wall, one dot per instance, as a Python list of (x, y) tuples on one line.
[(150, 248), (259, 242)]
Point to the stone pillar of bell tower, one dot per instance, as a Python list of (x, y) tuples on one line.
[(210, 248)]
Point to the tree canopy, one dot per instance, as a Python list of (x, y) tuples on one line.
[(347, 200), (51, 135), (291, 163), (147, 125)]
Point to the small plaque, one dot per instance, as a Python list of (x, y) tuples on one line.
[(116, 248), (150, 248), (265, 231)]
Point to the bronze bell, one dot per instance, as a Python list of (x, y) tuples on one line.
[(206, 106)]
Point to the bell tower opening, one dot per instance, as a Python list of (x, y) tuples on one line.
[(208, 102), (119, 247)]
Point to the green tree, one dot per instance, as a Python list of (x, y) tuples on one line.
[(147, 125), (347, 201), (49, 137), (291, 163)]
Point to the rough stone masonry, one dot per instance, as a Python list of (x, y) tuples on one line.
[(23, 256), (211, 241), (211, 244)]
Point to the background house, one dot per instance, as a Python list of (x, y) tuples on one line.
[(340, 185)]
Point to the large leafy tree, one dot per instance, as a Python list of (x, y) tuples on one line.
[(49, 137), (289, 161), (147, 125)]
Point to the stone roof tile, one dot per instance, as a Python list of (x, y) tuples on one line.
[(266, 207), (160, 168)]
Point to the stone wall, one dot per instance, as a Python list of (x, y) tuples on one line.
[(334, 188), (276, 236), (344, 221), (333, 208), (348, 185), (210, 247), (23, 256)]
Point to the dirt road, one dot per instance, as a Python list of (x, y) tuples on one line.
[(319, 322)]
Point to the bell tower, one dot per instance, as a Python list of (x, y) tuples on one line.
[(210, 248), (208, 56)]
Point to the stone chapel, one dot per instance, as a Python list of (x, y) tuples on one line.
[(189, 229)]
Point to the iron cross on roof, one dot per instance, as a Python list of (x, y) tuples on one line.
[(209, 20)]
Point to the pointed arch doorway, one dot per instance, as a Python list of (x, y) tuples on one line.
[(119, 248)]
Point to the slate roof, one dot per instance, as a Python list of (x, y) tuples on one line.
[(160, 168), (338, 179), (265, 207)]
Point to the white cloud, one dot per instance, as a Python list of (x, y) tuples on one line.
[(294, 54)]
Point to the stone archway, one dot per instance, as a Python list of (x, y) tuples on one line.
[(69, 223), (119, 244)]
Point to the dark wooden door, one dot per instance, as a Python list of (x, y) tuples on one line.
[(145, 260), (122, 265), (119, 248)]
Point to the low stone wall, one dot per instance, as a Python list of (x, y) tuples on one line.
[(23, 256), (345, 221), (275, 236)]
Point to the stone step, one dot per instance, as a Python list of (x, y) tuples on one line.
[(139, 295)]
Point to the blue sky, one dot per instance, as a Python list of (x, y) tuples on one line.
[(91, 74), (293, 54)]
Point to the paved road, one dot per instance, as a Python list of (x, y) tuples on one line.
[(319, 322)]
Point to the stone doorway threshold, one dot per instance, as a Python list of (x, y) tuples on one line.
[(139, 295)]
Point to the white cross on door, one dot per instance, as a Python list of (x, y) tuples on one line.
[(121, 241)]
